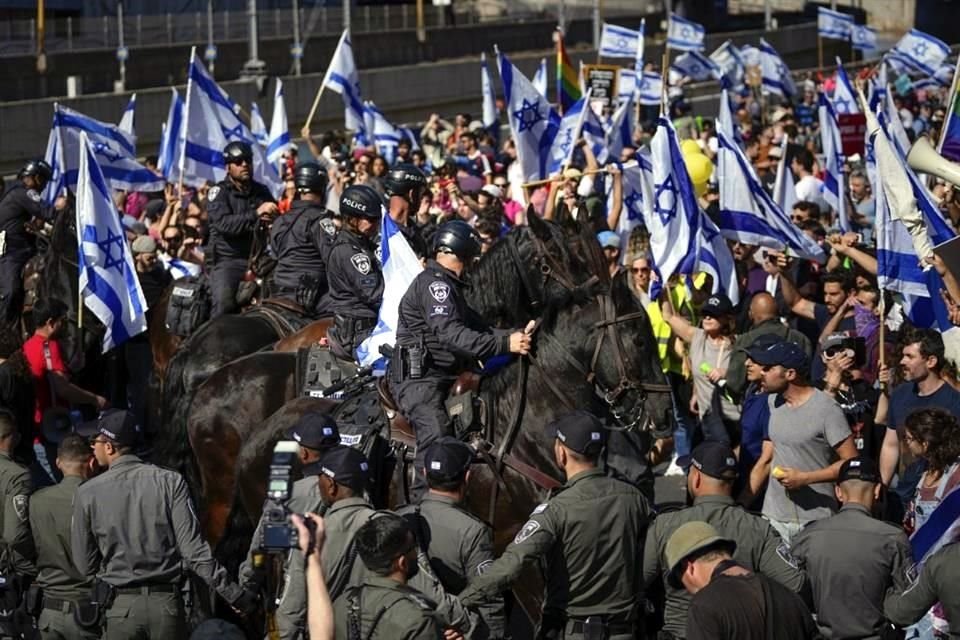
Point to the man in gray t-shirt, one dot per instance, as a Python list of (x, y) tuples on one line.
[(808, 439)]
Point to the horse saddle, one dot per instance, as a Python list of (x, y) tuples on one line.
[(285, 316), (320, 373)]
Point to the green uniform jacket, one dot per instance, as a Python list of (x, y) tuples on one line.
[(852, 543), (50, 511), (937, 582), (404, 613), (590, 535), (737, 369), (759, 548), (15, 488)]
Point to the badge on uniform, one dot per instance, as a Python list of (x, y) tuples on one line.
[(528, 530), (783, 550), (440, 291), (33, 195), (379, 253), (213, 193), (438, 310), (483, 566), (328, 226), (21, 506), (361, 262)]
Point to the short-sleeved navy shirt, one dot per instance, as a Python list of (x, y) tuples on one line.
[(905, 400)]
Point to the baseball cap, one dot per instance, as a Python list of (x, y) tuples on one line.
[(689, 539), (572, 173), (715, 459), (315, 430), (492, 190), (344, 465), (144, 244), (448, 458), (832, 341), (116, 424), (761, 342), (717, 305), (579, 431), (786, 354), (859, 468), (608, 239)]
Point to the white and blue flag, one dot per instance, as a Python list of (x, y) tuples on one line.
[(844, 99), (638, 57), (342, 76), (776, 74), (922, 51), (279, 140), (833, 186), (386, 137), (684, 35), (210, 124), (696, 66), (54, 158), (626, 84), (619, 42), (491, 117), (729, 61), (651, 89), (784, 188), (540, 78), (714, 258), (258, 127), (571, 126), (400, 266), (108, 279), (127, 122), (637, 177), (833, 24), (594, 133), (533, 122), (864, 38), (620, 132), (168, 158), (113, 148)]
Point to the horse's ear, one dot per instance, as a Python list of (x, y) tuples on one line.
[(623, 299), (538, 225)]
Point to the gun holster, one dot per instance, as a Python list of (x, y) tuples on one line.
[(33, 601), (90, 614), (308, 292)]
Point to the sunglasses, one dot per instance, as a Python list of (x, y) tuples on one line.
[(640, 269), (239, 161)]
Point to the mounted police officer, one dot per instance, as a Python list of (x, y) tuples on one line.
[(353, 271), (236, 207), (20, 205), (439, 336), (405, 184), (301, 240)]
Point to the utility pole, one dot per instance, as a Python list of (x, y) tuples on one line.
[(767, 15), (346, 14), (254, 68), (122, 52), (210, 54), (562, 15), (421, 25), (41, 35), (297, 49), (597, 20)]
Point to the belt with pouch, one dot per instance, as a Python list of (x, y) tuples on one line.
[(58, 604), (612, 628), (146, 590)]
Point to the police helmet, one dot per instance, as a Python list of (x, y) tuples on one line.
[(361, 201), (38, 168), (237, 150), (310, 177), (404, 177), (459, 238)]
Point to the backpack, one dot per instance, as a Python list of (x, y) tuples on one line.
[(189, 305)]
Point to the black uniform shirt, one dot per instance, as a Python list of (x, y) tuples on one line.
[(19, 206), (233, 217), (354, 278), (300, 240)]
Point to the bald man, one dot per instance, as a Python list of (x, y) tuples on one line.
[(764, 319)]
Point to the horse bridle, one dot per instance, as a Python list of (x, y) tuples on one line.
[(548, 266)]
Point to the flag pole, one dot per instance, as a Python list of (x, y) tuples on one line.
[(540, 183), (663, 78), (186, 121), (819, 52), (316, 103)]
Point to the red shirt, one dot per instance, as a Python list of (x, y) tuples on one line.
[(34, 351)]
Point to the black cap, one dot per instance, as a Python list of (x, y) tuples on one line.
[(717, 305), (117, 425), (761, 342), (579, 431), (448, 458), (787, 354), (859, 468), (715, 459), (344, 465), (315, 430)]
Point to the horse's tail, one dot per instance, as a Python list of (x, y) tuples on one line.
[(172, 446)]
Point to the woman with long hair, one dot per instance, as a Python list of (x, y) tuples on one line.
[(934, 436)]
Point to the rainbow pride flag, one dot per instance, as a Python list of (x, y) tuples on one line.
[(568, 82)]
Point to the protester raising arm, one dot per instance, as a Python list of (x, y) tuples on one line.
[(846, 245), (613, 216), (680, 325), (777, 265)]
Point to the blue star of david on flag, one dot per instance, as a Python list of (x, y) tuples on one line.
[(528, 115), (633, 202), (920, 48), (665, 203), (104, 149), (113, 243), (235, 132)]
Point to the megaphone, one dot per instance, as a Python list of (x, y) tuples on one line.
[(925, 159)]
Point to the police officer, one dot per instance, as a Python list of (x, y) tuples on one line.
[(383, 606), (135, 530), (16, 545), (353, 271), (712, 475), (301, 240), (315, 433), (853, 543), (937, 582), (439, 336), (20, 205), (59, 583), (589, 534), (236, 207), (458, 544), (405, 184)]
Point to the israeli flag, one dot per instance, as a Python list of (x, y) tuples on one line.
[(833, 24), (168, 158), (725, 118), (410, 136), (279, 140), (675, 219), (210, 124), (595, 135), (127, 120), (180, 268), (113, 148), (386, 137), (620, 132), (844, 99), (571, 125), (684, 35), (342, 76), (922, 51), (491, 118), (108, 279), (258, 127), (784, 188), (651, 89), (638, 57), (729, 61), (833, 184), (863, 38), (533, 122), (714, 258), (619, 42), (54, 157), (626, 84), (400, 267), (696, 66), (776, 75), (637, 181), (540, 78)]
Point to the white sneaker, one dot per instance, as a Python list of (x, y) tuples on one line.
[(674, 469)]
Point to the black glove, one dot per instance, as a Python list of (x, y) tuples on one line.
[(248, 602)]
